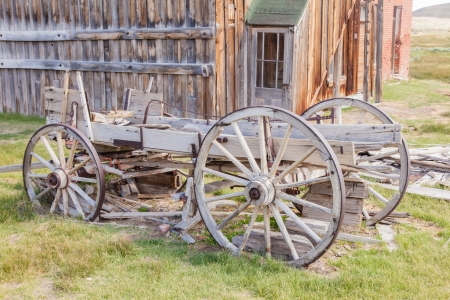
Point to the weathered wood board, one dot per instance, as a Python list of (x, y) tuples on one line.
[(180, 142), (279, 248), (352, 215), (352, 189)]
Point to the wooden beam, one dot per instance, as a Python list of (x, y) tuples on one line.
[(100, 66), (379, 58), (366, 54), (114, 34)]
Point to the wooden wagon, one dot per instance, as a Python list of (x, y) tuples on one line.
[(268, 158)]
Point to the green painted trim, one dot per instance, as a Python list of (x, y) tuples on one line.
[(276, 12)]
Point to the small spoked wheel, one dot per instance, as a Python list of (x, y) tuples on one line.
[(62, 170), (353, 111), (264, 153)]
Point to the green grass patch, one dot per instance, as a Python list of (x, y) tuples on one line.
[(417, 93)]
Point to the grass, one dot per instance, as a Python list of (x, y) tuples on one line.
[(428, 103), (44, 257), (430, 56), (50, 257)]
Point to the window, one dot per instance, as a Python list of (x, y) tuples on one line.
[(270, 60), (362, 13)]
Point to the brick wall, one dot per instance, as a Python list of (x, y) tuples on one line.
[(402, 40)]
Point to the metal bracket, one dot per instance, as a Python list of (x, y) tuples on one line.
[(205, 71)]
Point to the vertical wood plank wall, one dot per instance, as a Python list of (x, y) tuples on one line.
[(325, 24), (23, 89)]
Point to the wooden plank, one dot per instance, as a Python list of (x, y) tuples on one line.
[(353, 189), (379, 53), (138, 102), (352, 205), (422, 191), (128, 215), (220, 57), (362, 133), (109, 34), (321, 227), (279, 248), (353, 220), (180, 142), (95, 66)]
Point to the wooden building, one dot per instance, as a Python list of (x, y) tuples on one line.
[(207, 57)]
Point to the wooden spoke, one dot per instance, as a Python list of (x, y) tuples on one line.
[(222, 197), (225, 176), (233, 215), (72, 153), (246, 149), (338, 113), (42, 193), (378, 195), (281, 151), (47, 164), (284, 232), (365, 213), (249, 229), (234, 160), (267, 230), (43, 176), (262, 145), (83, 179), (60, 149), (55, 201), (361, 116), (74, 198), (283, 186), (305, 203), (65, 202), (79, 166), (297, 220), (80, 192), (50, 150), (294, 165)]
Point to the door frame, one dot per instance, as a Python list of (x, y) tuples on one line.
[(282, 94)]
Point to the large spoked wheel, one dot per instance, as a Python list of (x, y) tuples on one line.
[(353, 111), (62, 170), (262, 147)]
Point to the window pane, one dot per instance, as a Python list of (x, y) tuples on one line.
[(270, 74), (280, 76), (259, 43), (270, 46), (258, 73), (281, 47)]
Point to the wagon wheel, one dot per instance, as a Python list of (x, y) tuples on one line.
[(262, 191), (62, 168), (361, 112)]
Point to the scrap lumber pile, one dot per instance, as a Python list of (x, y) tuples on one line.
[(429, 174)]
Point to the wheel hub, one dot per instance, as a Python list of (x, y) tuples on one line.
[(58, 179), (261, 191)]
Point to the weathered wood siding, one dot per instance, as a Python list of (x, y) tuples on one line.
[(116, 43), (325, 25)]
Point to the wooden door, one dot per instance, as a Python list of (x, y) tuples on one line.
[(271, 66)]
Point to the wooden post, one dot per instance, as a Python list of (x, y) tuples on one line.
[(62, 118), (366, 54), (379, 71)]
